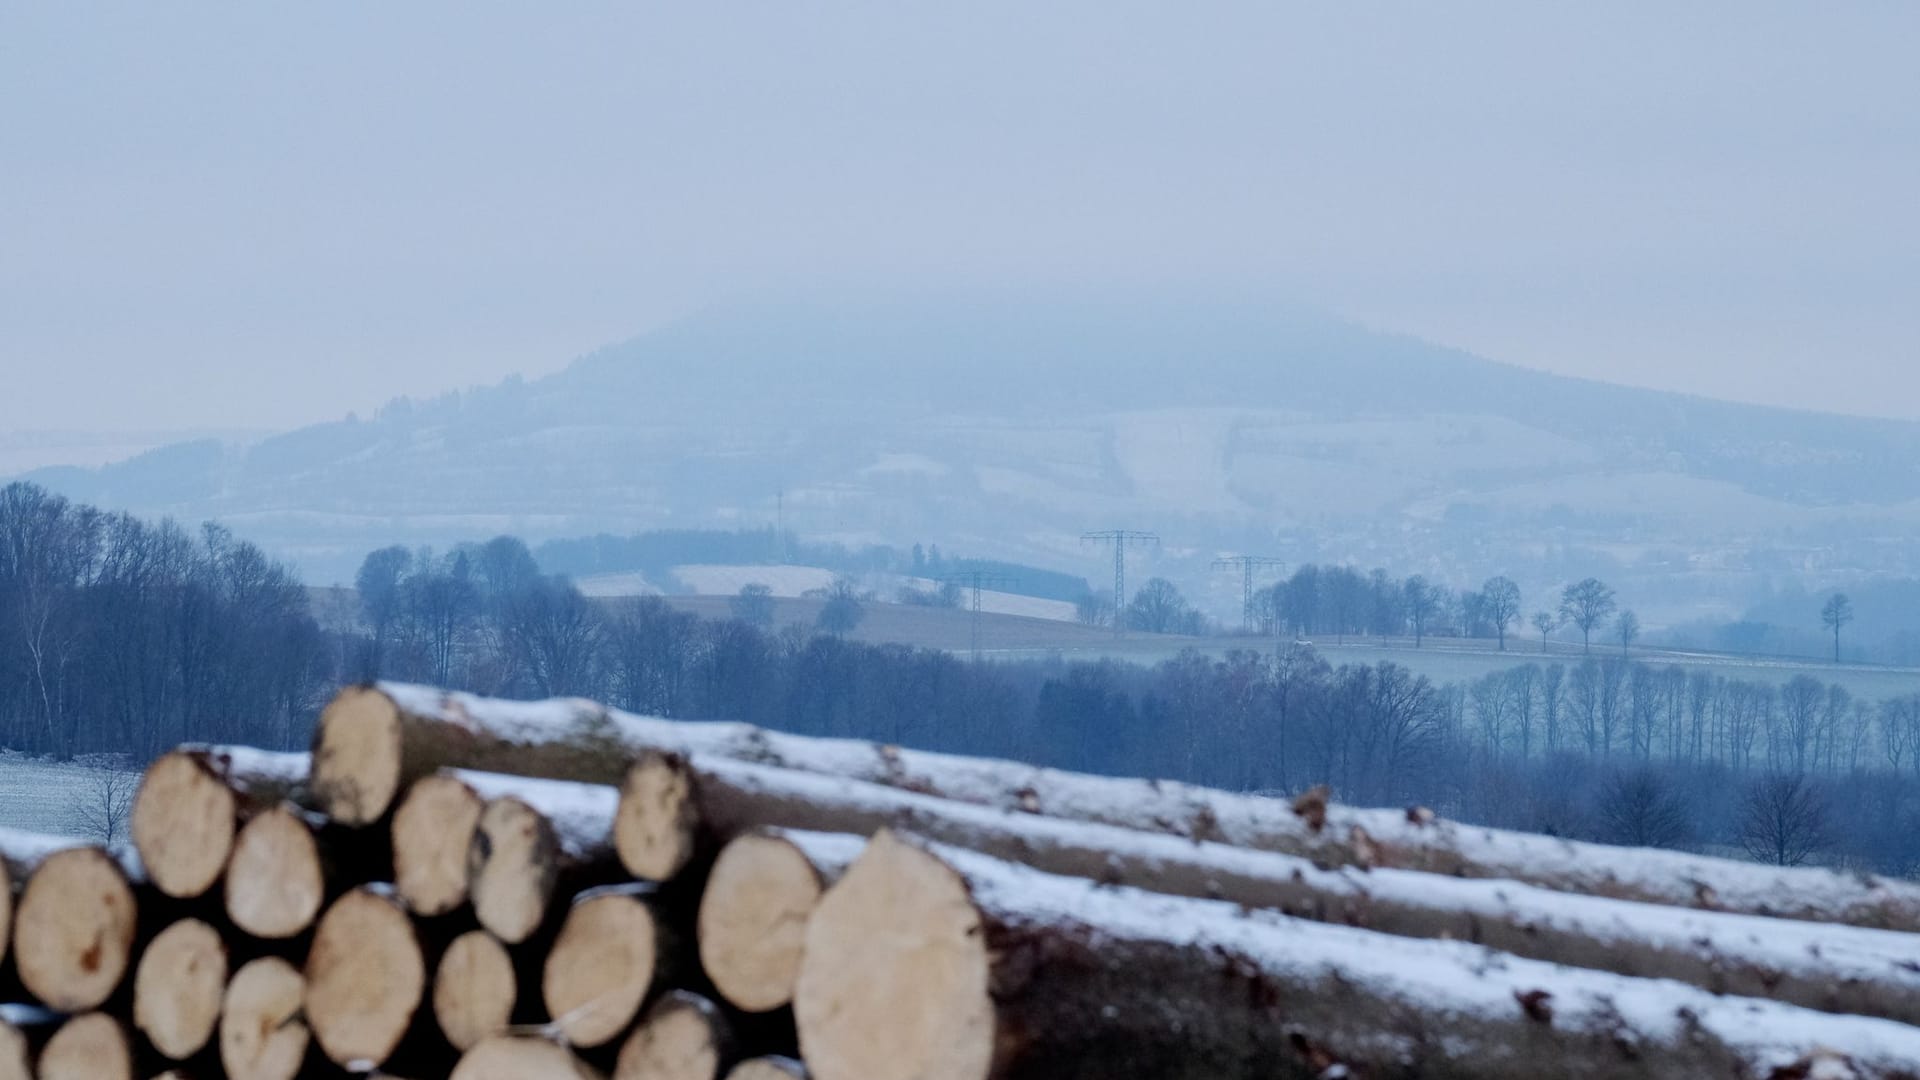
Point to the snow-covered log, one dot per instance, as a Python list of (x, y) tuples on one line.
[(761, 884), (191, 801), (582, 740), (535, 839), (935, 963), (682, 1037)]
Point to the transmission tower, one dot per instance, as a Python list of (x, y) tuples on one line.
[(976, 580), (1120, 538), (1247, 565)]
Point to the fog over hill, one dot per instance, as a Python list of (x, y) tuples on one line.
[(1005, 426)]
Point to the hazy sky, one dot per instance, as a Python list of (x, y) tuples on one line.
[(252, 215)]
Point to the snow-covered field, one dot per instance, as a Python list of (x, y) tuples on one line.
[(796, 581), (59, 797)]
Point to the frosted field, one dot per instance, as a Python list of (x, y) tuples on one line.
[(62, 798), (792, 582)]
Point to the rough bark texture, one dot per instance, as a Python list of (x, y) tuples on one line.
[(1832, 968), (935, 963), (580, 740)]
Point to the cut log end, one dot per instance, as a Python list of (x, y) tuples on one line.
[(600, 968), (768, 1068), (656, 828), (73, 932), (275, 883), (432, 831), (753, 920), (356, 756), (894, 980), (263, 1035), (681, 1038), (178, 986), (520, 1058), (365, 976), (13, 1052), (6, 909), (182, 823), (511, 866), (89, 1047), (474, 989)]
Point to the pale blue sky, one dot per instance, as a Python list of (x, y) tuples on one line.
[(225, 216)]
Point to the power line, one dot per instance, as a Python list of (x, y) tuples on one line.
[(977, 580), (1246, 564), (1120, 538)]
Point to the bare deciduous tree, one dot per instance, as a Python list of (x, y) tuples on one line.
[(1642, 808), (1783, 820), (1586, 604), (1628, 628), (753, 605), (1500, 603), (104, 797), (1545, 622), (1422, 604)]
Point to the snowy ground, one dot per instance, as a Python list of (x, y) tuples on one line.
[(796, 581), (59, 797)]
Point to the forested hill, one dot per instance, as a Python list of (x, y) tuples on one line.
[(1007, 426)]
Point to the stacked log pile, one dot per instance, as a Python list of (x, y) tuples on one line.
[(451, 886)]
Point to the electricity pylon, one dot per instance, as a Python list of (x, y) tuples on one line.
[(1120, 538), (1246, 564), (976, 580)]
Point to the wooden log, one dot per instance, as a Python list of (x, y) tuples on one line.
[(365, 978), (275, 880), (475, 989), (601, 967), (935, 963), (433, 830), (74, 926), (769, 1068), (753, 914), (579, 740), (682, 1037), (178, 986), (505, 1057), (656, 829), (91, 1046), (535, 839), (190, 803), (1833, 968), (263, 1031), (18, 1023)]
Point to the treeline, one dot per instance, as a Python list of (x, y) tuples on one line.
[(656, 553), (119, 636)]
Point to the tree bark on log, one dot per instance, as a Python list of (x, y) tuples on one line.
[(263, 1030), (178, 986), (579, 740), (1835, 968), (365, 978), (475, 990), (682, 1037), (505, 1057), (754, 911), (934, 963)]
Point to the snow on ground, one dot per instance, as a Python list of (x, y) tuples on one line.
[(46, 796), (631, 583), (1005, 603), (710, 580)]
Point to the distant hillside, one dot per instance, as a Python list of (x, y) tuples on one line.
[(1006, 427)]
